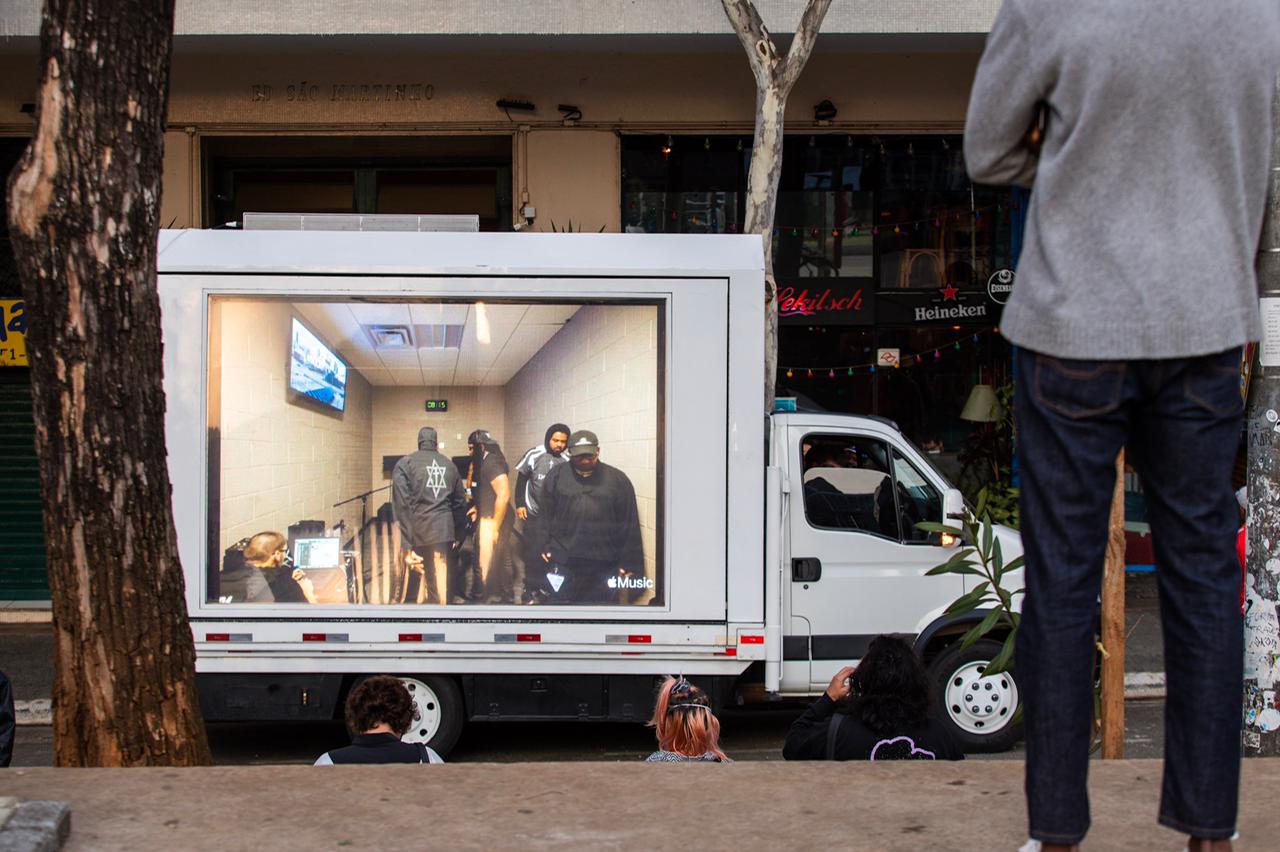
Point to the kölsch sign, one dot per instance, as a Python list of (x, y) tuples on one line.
[(830, 301)]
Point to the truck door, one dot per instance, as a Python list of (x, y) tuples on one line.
[(857, 561)]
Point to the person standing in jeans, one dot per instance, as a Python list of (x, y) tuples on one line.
[(1145, 130)]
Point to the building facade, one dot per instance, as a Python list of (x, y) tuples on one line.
[(611, 115)]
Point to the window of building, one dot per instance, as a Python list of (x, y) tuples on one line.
[(410, 175)]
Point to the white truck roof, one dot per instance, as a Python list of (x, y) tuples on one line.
[(415, 253)]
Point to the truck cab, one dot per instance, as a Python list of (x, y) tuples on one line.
[(849, 493)]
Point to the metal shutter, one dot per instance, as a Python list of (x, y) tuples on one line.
[(23, 576)]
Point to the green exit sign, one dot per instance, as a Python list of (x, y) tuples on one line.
[(437, 405)]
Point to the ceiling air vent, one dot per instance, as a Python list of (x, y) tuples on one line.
[(439, 336), (390, 336)]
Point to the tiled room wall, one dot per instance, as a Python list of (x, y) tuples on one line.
[(398, 414), (599, 372), (283, 461)]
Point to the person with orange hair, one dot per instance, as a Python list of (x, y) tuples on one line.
[(687, 729)]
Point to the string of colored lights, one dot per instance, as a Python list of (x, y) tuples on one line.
[(908, 361), (859, 228)]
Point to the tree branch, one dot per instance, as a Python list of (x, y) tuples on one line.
[(755, 39), (802, 44)]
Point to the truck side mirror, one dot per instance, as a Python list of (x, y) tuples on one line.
[(953, 509), (953, 506)]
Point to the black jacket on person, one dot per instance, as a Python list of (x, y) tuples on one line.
[(426, 495), (591, 518), (7, 721), (378, 748), (807, 739)]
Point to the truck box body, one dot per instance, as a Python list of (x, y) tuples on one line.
[(705, 297)]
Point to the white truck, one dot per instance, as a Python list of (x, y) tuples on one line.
[(299, 367)]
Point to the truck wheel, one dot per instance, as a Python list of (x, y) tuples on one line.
[(978, 709), (437, 712)]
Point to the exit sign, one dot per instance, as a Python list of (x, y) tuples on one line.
[(437, 405)]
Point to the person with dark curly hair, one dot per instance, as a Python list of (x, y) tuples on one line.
[(379, 712), (878, 710)]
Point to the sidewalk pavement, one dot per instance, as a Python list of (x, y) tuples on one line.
[(973, 805)]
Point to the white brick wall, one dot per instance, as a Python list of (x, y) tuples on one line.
[(282, 462), (599, 372), (398, 414)]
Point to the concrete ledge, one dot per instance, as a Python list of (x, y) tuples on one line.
[(36, 827), (970, 805), (36, 712)]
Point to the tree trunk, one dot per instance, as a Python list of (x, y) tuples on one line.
[(1262, 602), (774, 76), (84, 206)]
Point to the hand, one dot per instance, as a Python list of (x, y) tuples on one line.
[(301, 578), (522, 513), (546, 557), (471, 513), (839, 686), (412, 559)]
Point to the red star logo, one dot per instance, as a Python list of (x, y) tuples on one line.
[(949, 293)]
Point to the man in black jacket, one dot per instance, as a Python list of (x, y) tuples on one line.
[(428, 500), (591, 528), (532, 473)]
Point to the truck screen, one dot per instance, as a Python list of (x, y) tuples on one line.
[(537, 485)]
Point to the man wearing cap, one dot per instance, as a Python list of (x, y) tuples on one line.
[(591, 528), (491, 490), (427, 499)]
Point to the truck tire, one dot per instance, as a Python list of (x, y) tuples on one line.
[(978, 710), (437, 712)]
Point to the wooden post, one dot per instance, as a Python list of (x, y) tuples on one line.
[(1113, 626)]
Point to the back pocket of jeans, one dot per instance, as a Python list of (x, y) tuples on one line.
[(1076, 388), (1213, 383)]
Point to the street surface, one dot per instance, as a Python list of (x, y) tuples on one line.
[(750, 734)]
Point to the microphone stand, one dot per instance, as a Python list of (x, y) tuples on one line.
[(364, 519)]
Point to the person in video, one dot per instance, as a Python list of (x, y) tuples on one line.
[(531, 480), (591, 531), (269, 552), (687, 730), (427, 499), (880, 711), (240, 582), (491, 501), (379, 712)]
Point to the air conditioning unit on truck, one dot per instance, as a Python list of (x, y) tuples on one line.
[(756, 554)]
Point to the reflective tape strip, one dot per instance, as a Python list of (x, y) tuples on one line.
[(750, 640), (628, 639), (421, 637), (517, 637), (326, 637), (228, 637)]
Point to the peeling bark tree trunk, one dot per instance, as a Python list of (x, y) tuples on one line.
[(1262, 601), (84, 206), (775, 76)]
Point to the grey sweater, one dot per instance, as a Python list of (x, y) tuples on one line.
[(1149, 190)]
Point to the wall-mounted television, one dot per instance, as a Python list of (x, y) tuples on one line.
[(315, 371)]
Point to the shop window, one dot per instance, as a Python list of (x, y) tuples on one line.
[(408, 175), (317, 496)]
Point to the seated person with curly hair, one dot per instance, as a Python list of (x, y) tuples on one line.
[(687, 729), (379, 712), (876, 711)]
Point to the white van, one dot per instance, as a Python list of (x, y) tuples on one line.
[(299, 367)]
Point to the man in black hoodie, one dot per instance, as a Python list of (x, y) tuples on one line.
[(532, 472), (428, 500)]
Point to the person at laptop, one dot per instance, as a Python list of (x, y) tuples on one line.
[(269, 551)]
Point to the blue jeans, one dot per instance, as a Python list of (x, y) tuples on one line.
[(1180, 422)]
